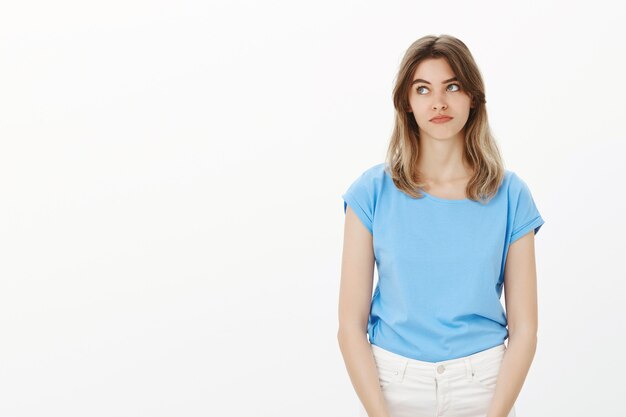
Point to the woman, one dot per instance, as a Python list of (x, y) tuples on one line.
[(448, 228)]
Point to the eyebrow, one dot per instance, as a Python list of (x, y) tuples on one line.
[(419, 80)]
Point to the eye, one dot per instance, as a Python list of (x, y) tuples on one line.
[(458, 87)]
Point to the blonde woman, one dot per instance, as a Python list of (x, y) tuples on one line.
[(448, 228)]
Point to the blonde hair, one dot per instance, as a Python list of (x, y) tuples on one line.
[(480, 149)]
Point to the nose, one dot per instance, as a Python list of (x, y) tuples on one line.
[(439, 103)]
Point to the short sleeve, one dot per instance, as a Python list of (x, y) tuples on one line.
[(360, 198), (526, 215)]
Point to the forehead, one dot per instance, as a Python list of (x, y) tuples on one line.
[(433, 69)]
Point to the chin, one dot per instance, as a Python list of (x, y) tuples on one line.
[(447, 136)]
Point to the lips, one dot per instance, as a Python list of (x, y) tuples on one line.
[(441, 119)]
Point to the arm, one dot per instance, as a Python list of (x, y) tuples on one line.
[(355, 295), (520, 291)]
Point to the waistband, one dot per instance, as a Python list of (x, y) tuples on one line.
[(460, 366)]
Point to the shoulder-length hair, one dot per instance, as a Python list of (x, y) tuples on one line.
[(480, 149)]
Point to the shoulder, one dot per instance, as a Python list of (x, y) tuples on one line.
[(376, 171), (364, 192), (515, 183), (510, 177), (372, 175)]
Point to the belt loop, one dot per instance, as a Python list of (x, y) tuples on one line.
[(402, 370), (469, 370)]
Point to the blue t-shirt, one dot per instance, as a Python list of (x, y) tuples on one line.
[(440, 264)]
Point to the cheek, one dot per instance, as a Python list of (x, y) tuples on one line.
[(418, 107), (465, 101)]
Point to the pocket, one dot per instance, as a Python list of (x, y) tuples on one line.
[(389, 371), (485, 375)]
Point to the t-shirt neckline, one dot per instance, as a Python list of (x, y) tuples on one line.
[(444, 200)]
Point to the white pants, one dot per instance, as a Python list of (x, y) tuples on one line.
[(461, 387)]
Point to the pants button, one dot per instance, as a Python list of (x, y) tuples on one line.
[(440, 369)]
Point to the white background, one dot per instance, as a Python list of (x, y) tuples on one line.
[(170, 210)]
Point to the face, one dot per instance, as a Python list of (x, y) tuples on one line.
[(437, 93)]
